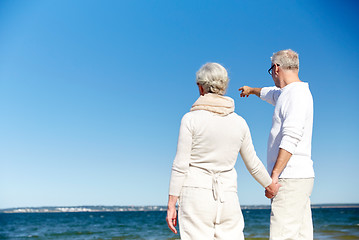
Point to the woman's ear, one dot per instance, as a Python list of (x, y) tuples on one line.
[(201, 90)]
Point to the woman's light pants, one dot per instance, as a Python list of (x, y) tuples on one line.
[(201, 217), (291, 216)]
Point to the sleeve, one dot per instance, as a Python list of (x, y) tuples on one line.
[(181, 162), (270, 94), (294, 115), (252, 162)]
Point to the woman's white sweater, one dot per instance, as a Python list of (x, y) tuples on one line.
[(207, 150)]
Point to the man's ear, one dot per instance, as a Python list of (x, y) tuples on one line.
[(276, 69)]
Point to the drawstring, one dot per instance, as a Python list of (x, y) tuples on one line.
[(217, 189)]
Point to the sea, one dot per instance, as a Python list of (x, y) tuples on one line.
[(330, 222)]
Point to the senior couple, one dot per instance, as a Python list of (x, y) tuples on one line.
[(203, 179)]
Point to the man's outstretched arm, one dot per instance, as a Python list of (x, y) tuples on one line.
[(246, 91), (268, 94)]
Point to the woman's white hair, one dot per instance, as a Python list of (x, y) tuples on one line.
[(286, 59), (213, 77)]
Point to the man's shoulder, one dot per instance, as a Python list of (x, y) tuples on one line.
[(296, 99), (298, 90), (298, 87)]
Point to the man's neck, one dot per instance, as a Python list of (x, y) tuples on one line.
[(289, 77)]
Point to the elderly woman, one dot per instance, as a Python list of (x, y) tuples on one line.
[(203, 175)]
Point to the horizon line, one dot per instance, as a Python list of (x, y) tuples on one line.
[(109, 208)]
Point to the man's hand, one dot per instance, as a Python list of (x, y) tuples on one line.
[(246, 91)]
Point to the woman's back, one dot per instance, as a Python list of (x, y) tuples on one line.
[(216, 140)]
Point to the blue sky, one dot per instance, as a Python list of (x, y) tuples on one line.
[(92, 92)]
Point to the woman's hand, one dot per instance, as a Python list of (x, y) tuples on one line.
[(272, 189), (172, 213), (172, 219)]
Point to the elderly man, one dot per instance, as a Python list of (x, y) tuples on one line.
[(289, 147)]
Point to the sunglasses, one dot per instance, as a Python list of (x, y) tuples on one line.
[(271, 68)]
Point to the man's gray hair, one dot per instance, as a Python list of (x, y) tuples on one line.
[(286, 59), (213, 77)]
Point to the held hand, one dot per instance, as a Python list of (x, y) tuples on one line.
[(275, 178), (246, 91), (268, 195), (272, 189), (172, 219)]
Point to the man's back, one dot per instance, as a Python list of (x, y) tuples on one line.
[(292, 125)]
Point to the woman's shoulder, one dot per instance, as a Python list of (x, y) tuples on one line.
[(237, 117), (202, 114), (197, 114), (192, 115)]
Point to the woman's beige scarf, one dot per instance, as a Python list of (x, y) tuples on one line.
[(215, 103)]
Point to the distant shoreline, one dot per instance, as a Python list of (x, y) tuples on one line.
[(74, 209)]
